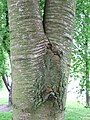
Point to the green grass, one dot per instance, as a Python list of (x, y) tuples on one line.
[(74, 111), (5, 116)]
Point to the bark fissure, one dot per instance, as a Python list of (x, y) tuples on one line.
[(48, 87)]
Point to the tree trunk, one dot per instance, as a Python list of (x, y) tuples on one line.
[(40, 62), (87, 74), (9, 88), (58, 25)]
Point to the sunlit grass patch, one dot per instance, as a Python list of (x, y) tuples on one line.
[(5, 115), (76, 111)]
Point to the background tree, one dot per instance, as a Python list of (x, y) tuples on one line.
[(4, 45), (81, 48), (40, 56)]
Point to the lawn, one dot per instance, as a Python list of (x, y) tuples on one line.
[(74, 111), (5, 116)]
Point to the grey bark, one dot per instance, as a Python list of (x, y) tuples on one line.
[(58, 25), (39, 80)]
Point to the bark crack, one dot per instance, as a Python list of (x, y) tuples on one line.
[(49, 85)]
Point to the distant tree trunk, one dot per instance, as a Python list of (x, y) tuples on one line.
[(87, 74), (9, 88), (40, 61), (10, 96)]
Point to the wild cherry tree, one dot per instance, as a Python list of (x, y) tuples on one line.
[(40, 57)]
